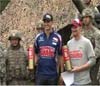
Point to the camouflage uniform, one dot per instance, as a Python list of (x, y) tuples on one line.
[(93, 34), (2, 67), (16, 64)]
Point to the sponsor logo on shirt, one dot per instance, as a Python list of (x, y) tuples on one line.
[(55, 40), (47, 51), (77, 54), (41, 39), (54, 43)]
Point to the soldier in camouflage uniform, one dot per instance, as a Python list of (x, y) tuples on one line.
[(39, 26), (16, 61), (92, 33), (89, 4), (2, 67)]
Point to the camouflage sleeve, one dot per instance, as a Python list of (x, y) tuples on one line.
[(26, 56), (97, 43), (2, 64), (2, 46)]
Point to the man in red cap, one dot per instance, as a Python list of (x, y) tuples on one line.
[(81, 54)]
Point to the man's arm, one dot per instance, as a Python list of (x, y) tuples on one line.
[(85, 66), (36, 51), (60, 58), (60, 64), (3, 66), (97, 42)]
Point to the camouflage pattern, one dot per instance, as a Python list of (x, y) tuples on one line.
[(14, 34), (94, 35), (93, 8), (2, 67), (39, 24), (2, 46), (16, 66), (88, 12)]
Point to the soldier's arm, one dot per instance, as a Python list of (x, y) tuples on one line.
[(26, 56), (2, 67), (97, 42)]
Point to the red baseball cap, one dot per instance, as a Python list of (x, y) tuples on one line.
[(76, 23)]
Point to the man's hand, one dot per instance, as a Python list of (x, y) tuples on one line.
[(76, 69), (81, 68)]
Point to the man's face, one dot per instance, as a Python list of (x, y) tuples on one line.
[(76, 31), (86, 20), (14, 42), (48, 25)]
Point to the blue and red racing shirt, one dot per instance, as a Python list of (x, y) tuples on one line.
[(47, 50)]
